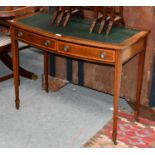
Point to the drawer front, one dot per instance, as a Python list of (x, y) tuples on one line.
[(34, 39), (86, 52)]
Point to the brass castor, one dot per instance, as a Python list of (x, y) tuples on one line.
[(34, 77), (115, 142)]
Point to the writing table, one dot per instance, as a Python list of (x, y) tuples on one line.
[(74, 41)]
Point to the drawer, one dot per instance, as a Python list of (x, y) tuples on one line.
[(34, 39), (86, 52)]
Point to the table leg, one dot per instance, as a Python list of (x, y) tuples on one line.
[(6, 77), (139, 83), (92, 27), (117, 84), (15, 53), (46, 69), (110, 25)]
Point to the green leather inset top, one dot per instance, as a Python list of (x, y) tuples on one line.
[(78, 28)]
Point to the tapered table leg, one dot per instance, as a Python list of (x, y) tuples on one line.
[(15, 53), (60, 17), (110, 25), (46, 69), (55, 14), (92, 27), (139, 83), (117, 84), (67, 19), (101, 26)]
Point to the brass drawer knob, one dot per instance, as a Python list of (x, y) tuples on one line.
[(47, 43), (19, 34), (66, 48), (103, 55)]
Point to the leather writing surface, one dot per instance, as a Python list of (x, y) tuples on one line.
[(78, 28)]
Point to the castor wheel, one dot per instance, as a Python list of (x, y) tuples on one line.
[(34, 77), (115, 142)]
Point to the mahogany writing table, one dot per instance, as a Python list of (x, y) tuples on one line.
[(75, 41)]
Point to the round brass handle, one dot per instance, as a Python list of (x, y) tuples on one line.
[(66, 48), (19, 34), (103, 55), (47, 43)]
